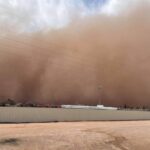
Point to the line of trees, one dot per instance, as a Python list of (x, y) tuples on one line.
[(126, 107), (10, 103)]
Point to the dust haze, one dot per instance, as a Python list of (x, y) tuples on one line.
[(98, 59)]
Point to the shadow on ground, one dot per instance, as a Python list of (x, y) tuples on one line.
[(9, 141)]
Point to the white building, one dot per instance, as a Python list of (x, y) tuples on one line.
[(102, 107)]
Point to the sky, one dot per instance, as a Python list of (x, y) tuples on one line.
[(36, 15)]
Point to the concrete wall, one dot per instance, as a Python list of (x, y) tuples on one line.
[(23, 114)]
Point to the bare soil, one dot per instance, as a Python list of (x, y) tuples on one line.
[(127, 135)]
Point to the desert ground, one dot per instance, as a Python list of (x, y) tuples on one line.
[(126, 135)]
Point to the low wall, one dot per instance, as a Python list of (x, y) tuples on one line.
[(24, 114)]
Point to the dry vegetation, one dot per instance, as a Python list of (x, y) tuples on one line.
[(76, 136)]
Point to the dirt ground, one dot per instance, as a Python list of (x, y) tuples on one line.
[(76, 136)]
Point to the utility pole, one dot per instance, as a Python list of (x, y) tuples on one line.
[(100, 90)]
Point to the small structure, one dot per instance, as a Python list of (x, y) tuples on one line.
[(106, 108)]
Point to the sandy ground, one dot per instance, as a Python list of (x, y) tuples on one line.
[(76, 136)]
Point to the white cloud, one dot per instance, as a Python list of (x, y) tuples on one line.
[(32, 15), (117, 7)]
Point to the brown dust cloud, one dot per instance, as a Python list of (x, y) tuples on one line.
[(98, 59)]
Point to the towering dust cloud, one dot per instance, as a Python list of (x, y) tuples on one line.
[(97, 59)]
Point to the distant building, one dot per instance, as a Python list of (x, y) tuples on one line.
[(102, 107)]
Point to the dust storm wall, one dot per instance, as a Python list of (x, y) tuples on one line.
[(98, 59)]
